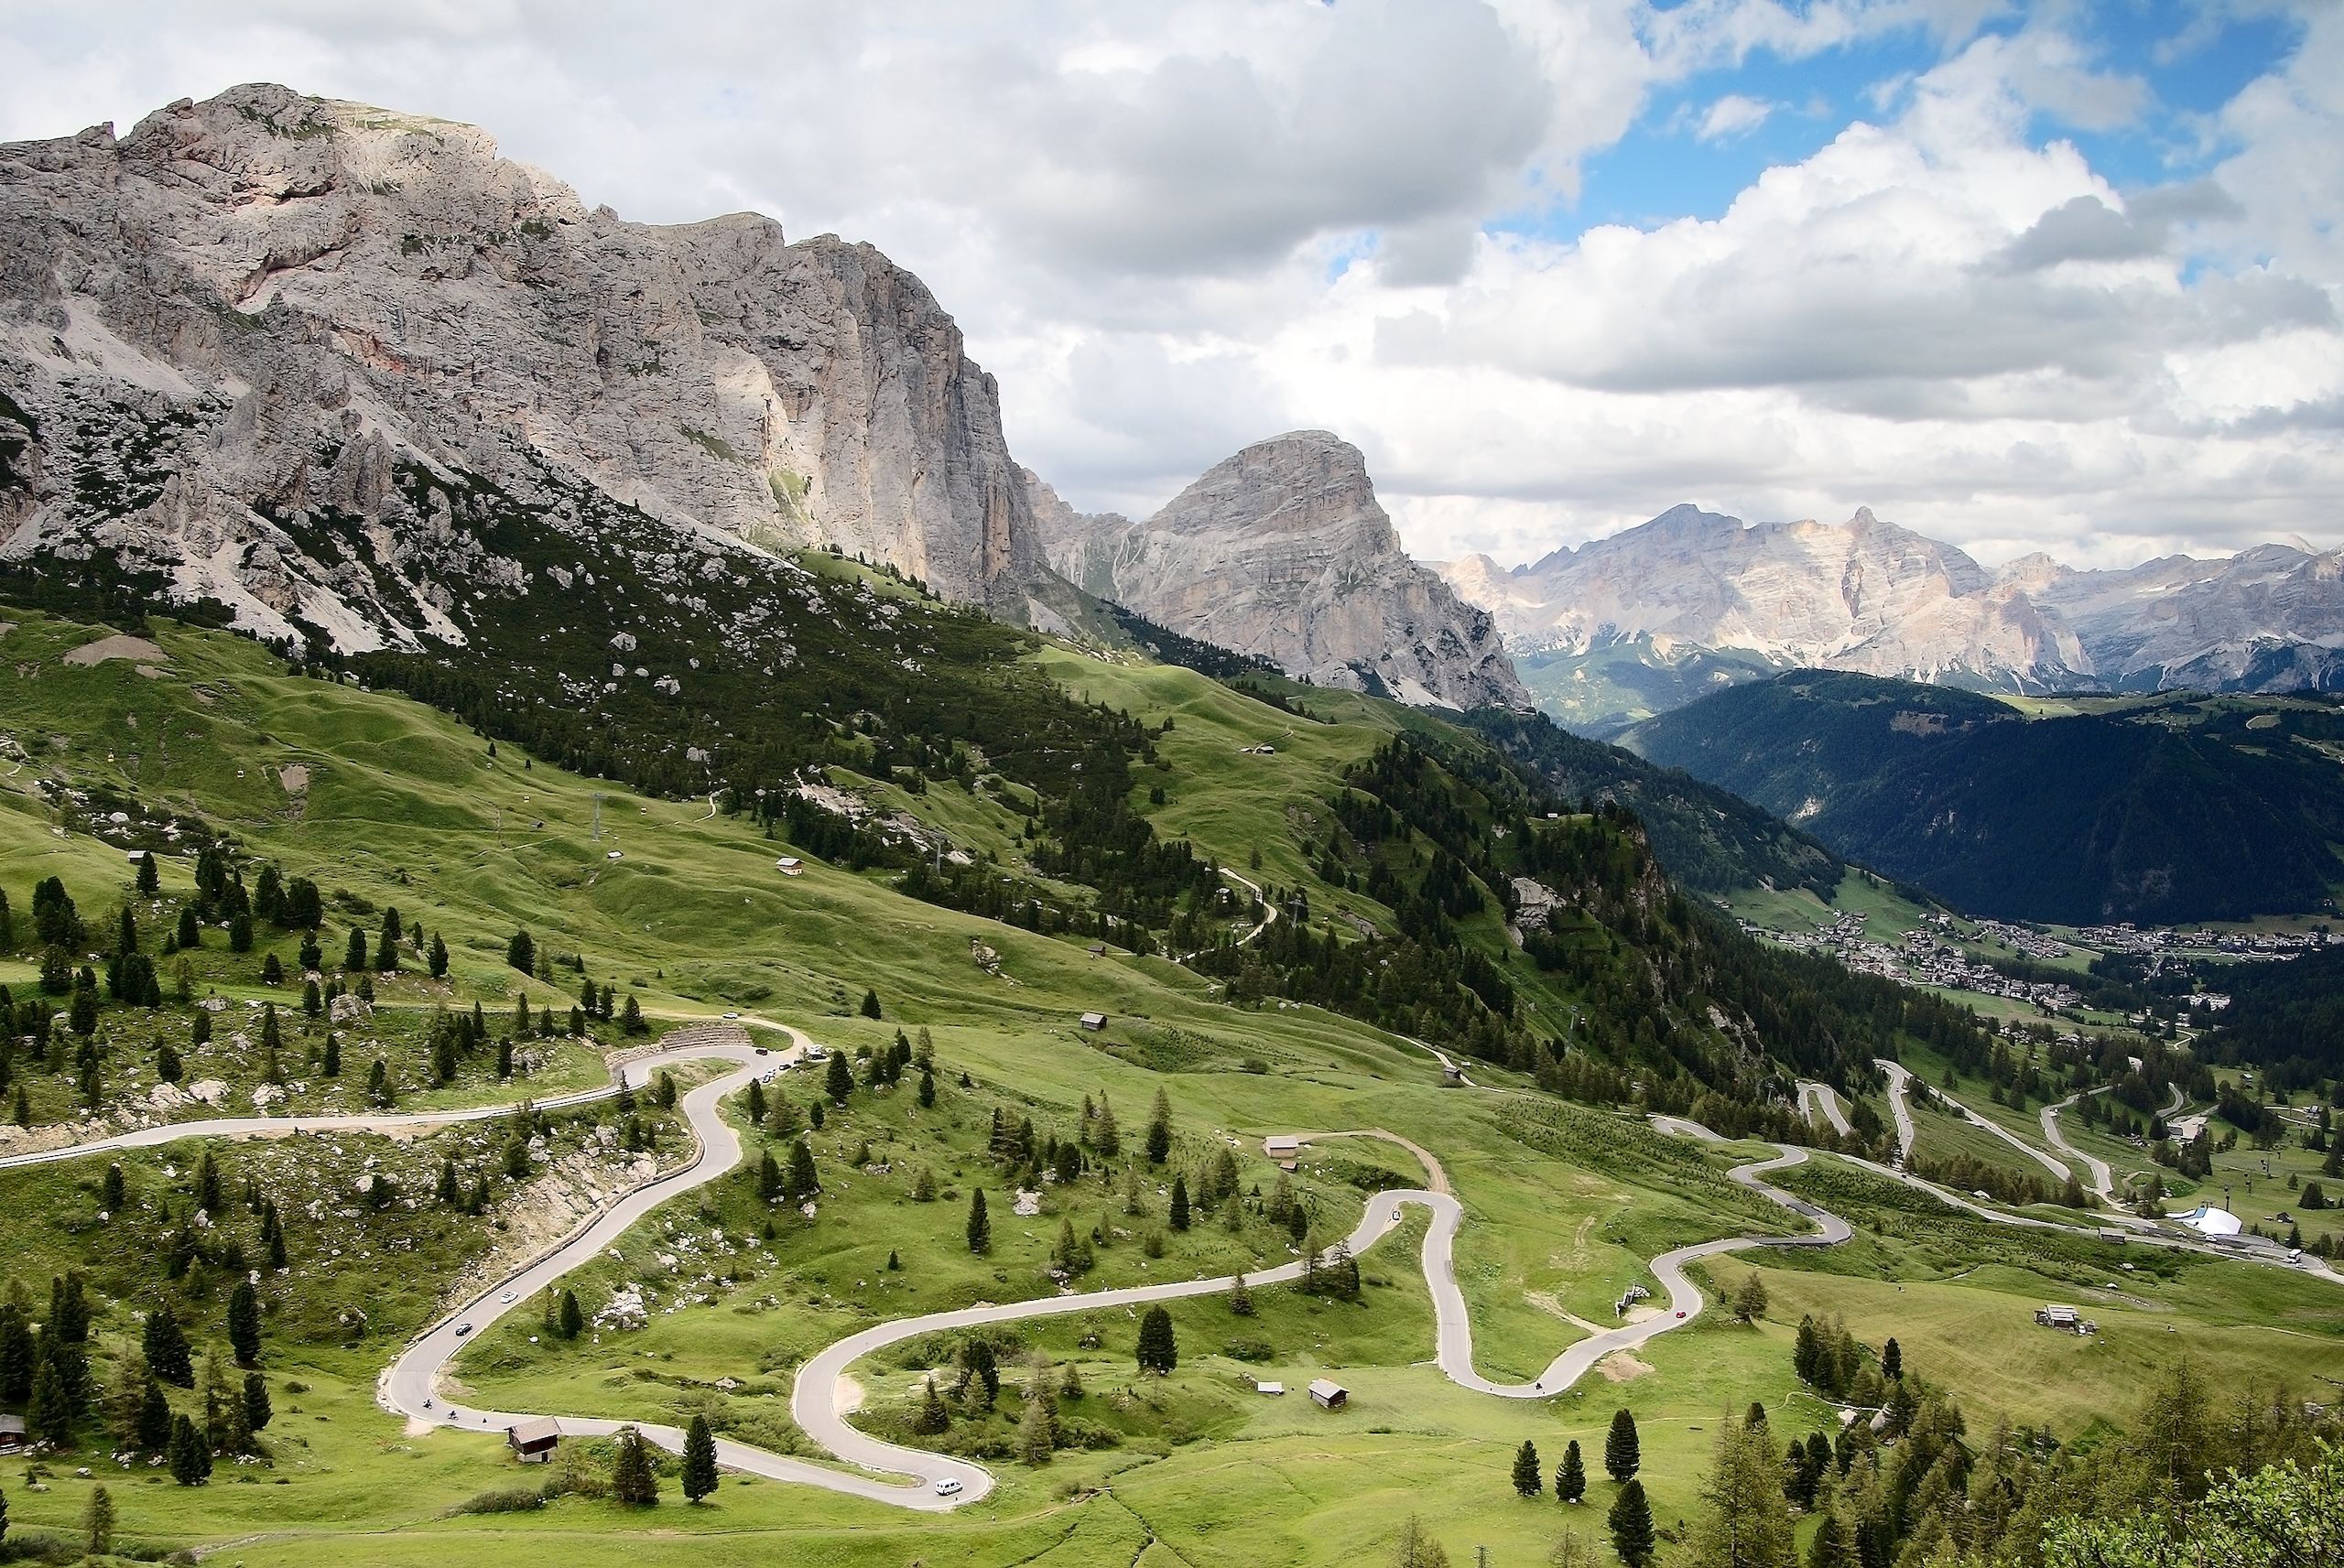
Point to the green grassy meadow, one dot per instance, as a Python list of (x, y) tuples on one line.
[(685, 911)]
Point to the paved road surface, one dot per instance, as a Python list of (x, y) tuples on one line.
[(2102, 1184), (1898, 1079), (1823, 1098)]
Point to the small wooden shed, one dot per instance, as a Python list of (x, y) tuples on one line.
[(534, 1441), (1326, 1395)]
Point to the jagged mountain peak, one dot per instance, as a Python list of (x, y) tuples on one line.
[(1282, 550), (234, 326)]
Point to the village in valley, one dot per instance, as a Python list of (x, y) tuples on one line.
[(1975, 956)]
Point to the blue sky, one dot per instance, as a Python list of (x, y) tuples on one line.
[(2191, 60)]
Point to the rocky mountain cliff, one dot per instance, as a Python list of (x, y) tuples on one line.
[(232, 341), (1283, 551), (1624, 627)]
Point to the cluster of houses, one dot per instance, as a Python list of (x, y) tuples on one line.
[(1923, 958), (2152, 940)]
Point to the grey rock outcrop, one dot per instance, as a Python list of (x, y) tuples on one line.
[(252, 314), (1283, 551)]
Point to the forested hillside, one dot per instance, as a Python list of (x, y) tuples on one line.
[(2168, 809)]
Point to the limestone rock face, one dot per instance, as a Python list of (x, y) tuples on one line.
[(249, 315), (1865, 595), (1283, 551), (1873, 597)]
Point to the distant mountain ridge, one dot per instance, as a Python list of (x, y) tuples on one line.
[(1624, 627), (2152, 809), (1282, 551)]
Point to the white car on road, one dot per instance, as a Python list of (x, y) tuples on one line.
[(948, 1487)]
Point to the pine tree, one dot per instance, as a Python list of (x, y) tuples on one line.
[(1622, 1454), (1892, 1359), (191, 1458), (1241, 1298), (838, 1079), (768, 1177), (1528, 1478), (244, 1324), (870, 1004), (571, 1321), (980, 1227), (1631, 1522), (1570, 1479), (1179, 1203), (700, 1460), (1159, 1352), (754, 1102), (438, 958), (634, 1482), (521, 953), (926, 1091), (803, 1183)]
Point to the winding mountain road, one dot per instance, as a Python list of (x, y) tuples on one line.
[(2101, 1185), (411, 1386), (1822, 1098), (1899, 1082)]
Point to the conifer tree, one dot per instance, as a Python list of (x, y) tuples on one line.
[(244, 1324), (1570, 1477), (634, 1482), (700, 1459), (803, 1183), (97, 1519), (257, 1411), (838, 1079), (1631, 1523), (1159, 1352), (1179, 1214), (980, 1227), (571, 1321), (1159, 1130), (154, 1432), (1528, 1479), (870, 1004), (932, 1418), (191, 1458), (166, 1348), (1622, 1456)]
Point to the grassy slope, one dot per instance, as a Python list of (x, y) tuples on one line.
[(402, 808)]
